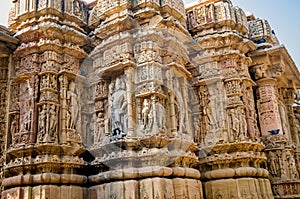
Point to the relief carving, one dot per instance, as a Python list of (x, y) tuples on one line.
[(147, 117), (100, 128), (102, 89), (42, 4), (139, 127), (118, 101), (15, 129), (47, 123), (73, 106)]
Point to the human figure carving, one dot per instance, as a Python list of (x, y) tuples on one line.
[(150, 119), (273, 164), (27, 122), (234, 124), (42, 122), (191, 20), (44, 81), (161, 116), (197, 133), (100, 127), (53, 122), (145, 112), (210, 13), (205, 104), (72, 99), (14, 129), (281, 156), (119, 106), (53, 81), (242, 123), (292, 168)]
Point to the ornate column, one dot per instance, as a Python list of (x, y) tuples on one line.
[(44, 143), (267, 105), (277, 135), (5, 119), (48, 105), (228, 131), (149, 143), (289, 95), (275, 76), (7, 45), (129, 72)]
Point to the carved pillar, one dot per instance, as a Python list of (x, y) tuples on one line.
[(251, 115), (63, 81), (48, 105), (267, 105), (274, 75), (169, 76), (42, 157), (147, 102), (129, 72), (220, 72), (4, 120), (289, 102), (237, 128)]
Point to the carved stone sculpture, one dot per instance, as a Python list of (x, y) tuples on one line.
[(145, 99)]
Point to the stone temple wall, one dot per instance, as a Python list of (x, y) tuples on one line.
[(129, 99)]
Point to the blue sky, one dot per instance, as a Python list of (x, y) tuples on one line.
[(283, 16)]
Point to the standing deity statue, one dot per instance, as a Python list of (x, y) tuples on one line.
[(150, 119), (27, 122), (235, 124), (145, 113), (160, 116), (273, 163), (42, 123), (197, 130), (73, 108), (204, 103), (53, 83), (100, 130), (119, 106), (53, 122), (243, 124), (293, 169), (14, 129)]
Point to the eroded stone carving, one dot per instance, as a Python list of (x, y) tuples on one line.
[(118, 101), (129, 114)]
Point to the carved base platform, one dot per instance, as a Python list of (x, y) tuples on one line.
[(46, 191), (235, 170), (148, 182), (286, 189), (149, 188), (240, 188)]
